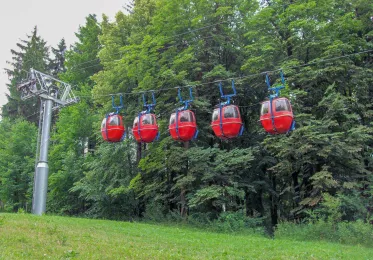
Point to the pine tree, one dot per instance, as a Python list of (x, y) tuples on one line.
[(32, 53), (57, 64), (82, 61)]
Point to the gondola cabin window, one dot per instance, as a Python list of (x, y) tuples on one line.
[(114, 121), (282, 105), (172, 119), (265, 108), (186, 116), (215, 115), (147, 119), (136, 122), (231, 112)]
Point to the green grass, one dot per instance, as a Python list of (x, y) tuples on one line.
[(25, 236)]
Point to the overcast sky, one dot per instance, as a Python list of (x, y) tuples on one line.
[(54, 19)]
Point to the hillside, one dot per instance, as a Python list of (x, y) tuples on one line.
[(49, 237)]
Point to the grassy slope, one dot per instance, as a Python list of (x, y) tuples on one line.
[(30, 237)]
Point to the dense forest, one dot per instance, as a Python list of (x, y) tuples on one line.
[(322, 169)]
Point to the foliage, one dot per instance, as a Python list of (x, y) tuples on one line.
[(350, 233), (74, 137), (57, 63), (237, 222), (69, 150), (81, 59), (322, 169), (31, 53), (17, 162), (104, 184)]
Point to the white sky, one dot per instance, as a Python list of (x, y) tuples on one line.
[(55, 20)]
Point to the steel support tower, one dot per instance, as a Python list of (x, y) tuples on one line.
[(54, 94)]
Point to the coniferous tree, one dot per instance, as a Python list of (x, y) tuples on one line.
[(82, 61), (57, 64), (32, 53)]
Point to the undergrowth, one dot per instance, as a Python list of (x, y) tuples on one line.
[(352, 233)]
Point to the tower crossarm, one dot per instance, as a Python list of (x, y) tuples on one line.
[(43, 85)]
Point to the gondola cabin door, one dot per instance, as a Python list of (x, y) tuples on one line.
[(147, 130), (226, 118), (184, 127), (277, 118), (226, 121), (112, 128)]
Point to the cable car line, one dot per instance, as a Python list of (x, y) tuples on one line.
[(232, 78), (276, 114), (218, 81), (221, 80)]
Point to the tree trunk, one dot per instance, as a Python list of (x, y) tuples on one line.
[(139, 152), (274, 215)]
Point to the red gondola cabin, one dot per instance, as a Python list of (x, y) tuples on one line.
[(280, 121), (184, 129), (147, 131), (112, 128), (230, 124)]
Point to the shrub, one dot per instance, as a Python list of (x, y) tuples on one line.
[(154, 212), (237, 222), (352, 233), (201, 219)]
